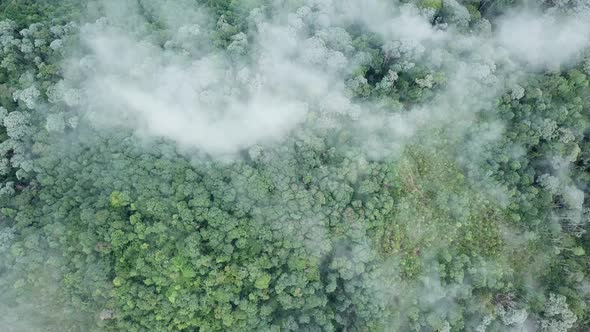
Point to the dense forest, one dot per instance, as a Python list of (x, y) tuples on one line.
[(294, 165)]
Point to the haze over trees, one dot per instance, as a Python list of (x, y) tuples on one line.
[(294, 165)]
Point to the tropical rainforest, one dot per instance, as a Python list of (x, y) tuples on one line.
[(294, 165)]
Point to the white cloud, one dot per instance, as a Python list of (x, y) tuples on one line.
[(544, 40)]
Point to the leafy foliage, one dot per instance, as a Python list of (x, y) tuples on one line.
[(101, 230)]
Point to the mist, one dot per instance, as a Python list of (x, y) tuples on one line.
[(300, 61)]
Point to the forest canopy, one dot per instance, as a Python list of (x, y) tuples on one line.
[(294, 165)]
